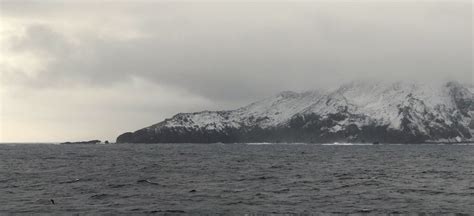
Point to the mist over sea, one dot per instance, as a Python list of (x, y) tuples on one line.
[(133, 179)]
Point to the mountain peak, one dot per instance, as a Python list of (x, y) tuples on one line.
[(287, 94), (358, 111)]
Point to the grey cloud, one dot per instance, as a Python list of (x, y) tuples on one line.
[(247, 51)]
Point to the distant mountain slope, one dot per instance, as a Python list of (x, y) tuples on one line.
[(398, 112)]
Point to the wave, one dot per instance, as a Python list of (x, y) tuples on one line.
[(259, 143), (347, 144), (270, 143)]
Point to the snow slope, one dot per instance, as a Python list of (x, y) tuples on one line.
[(425, 111), (382, 101), (265, 113)]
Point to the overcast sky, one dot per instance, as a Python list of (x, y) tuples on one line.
[(92, 70)]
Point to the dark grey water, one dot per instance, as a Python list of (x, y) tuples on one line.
[(236, 179)]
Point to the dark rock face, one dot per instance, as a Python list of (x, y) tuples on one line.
[(414, 119), (310, 130), (90, 142)]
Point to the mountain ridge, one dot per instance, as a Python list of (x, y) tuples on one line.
[(359, 111)]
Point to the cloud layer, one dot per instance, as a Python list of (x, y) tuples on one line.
[(218, 55)]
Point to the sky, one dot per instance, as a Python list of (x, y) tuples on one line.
[(80, 70)]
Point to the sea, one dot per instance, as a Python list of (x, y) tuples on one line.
[(236, 179)]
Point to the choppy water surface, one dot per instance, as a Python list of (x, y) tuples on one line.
[(236, 179)]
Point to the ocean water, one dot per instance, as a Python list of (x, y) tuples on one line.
[(236, 179)]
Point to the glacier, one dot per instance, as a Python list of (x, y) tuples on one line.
[(357, 112)]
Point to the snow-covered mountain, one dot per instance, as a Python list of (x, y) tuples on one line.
[(362, 111)]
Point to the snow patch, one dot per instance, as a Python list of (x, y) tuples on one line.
[(365, 103)]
